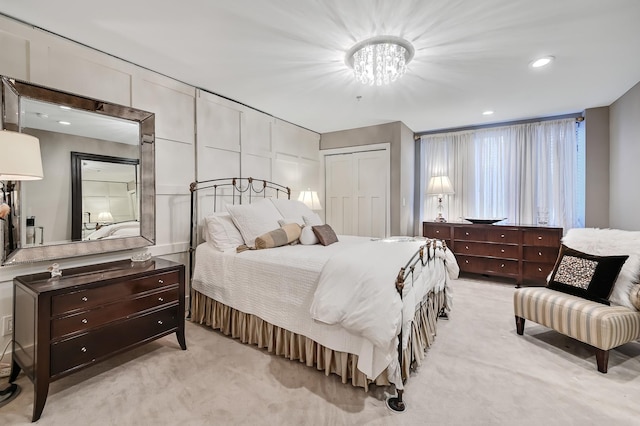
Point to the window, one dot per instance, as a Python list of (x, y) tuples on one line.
[(528, 173)]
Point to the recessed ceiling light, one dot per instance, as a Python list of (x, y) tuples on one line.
[(64, 107), (488, 112), (541, 62), (64, 123)]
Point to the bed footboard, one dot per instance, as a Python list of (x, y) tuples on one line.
[(425, 254)]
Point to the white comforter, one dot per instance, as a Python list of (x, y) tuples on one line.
[(278, 285), (356, 290)]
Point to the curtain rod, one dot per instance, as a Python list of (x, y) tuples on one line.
[(578, 116)]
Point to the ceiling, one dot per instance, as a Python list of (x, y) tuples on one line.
[(286, 57)]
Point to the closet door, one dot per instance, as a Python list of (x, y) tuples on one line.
[(356, 186)]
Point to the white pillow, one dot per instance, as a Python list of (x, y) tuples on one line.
[(611, 242), (222, 232), (313, 219), (307, 237), (292, 209), (253, 220)]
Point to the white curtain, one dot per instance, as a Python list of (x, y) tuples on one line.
[(523, 172)]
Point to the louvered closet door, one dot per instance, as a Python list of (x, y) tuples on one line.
[(356, 193)]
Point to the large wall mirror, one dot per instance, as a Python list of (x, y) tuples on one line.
[(98, 190)]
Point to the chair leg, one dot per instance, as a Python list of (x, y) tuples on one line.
[(519, 325), (602, 359)]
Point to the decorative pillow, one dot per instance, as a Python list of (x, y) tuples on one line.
[(253, 220), (325, 234), (307, 237), (222, 232), (288, 234), (635, 296), (585, 275), (292, 209), (611, 242)]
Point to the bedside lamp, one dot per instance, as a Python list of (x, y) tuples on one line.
[(440, 185), (310, 198), (20, 160)]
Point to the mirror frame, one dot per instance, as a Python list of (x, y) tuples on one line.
[(76, 185), (13, 91)]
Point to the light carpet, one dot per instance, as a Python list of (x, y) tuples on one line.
[(478, 372)]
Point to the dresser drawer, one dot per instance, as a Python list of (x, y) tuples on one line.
[(537, 270), (542, 237), (487, 249), (86, 299), (94, 345), (119, 309), (470, 233), (441, 232), (484, 265), (540, 254), (498, 234)]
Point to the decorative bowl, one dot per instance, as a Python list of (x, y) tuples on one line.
[(486, 221)]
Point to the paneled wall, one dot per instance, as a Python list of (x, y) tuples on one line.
[(232, 139)]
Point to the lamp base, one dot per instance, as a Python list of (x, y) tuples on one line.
[(440, 218)]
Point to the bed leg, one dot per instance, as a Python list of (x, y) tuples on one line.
[(395, 403)]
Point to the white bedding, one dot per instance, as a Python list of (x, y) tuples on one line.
[(278, 285), (116, 230)]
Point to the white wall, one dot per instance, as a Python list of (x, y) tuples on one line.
[(232, 138), (624, 155)]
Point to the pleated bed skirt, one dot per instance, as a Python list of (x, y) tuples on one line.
[(251, 329)]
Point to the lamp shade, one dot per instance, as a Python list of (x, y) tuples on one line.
[(19, 156), (440, 185), (105, 217), (310, 198)]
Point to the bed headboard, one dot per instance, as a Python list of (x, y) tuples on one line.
[(234, 190)]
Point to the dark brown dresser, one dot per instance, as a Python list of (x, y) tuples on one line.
[(91, 313), (524, 253)]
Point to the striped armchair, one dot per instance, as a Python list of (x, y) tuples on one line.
[(601, 326)]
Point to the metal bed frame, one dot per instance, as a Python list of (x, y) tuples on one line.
[(245, 189)]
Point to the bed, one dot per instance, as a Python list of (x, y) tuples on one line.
[(362, 308), (129, 228)]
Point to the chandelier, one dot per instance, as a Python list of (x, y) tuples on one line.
[(379, 60)]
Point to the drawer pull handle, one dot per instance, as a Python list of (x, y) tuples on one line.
[(539, 269), (501, 235), (160, 322), (84, 321), (501, 250), (437, 232), (466, 261), (539, 237), (502, 266), (84, 299), (467, 247), (84, 349), (161, 282), (466, 233), (160, 299), (539, 253)]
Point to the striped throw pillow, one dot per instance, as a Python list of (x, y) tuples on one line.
[(287, 234)]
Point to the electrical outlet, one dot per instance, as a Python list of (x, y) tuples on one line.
[(7, 325)]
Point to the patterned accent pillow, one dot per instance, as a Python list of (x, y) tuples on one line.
[(325, 234), (585, 275), (287, 234)]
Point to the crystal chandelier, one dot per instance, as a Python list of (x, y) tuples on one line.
[(379, 60)]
